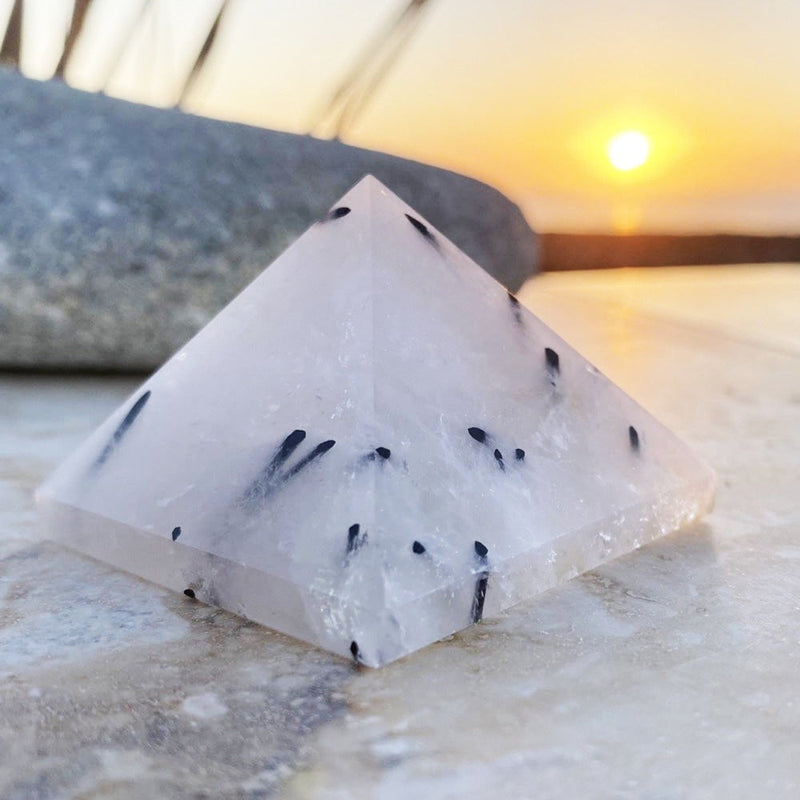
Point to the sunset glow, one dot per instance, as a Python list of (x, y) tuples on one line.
[(710, 122)]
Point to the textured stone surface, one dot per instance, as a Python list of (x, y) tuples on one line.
[(123, 228), (128, 692), (669, 674), (378, 461)]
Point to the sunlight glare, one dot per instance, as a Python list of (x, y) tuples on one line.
[(628, 150)]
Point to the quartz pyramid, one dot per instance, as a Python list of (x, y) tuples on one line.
[(372, 447)]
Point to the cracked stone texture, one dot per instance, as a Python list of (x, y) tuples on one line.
[(112, 688), (124, 229)]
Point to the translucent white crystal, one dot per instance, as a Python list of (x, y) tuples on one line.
[(371, 447)]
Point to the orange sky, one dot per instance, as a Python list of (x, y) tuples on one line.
[(521, 93)]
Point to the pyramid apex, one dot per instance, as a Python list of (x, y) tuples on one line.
[(367, 185), (368, 179)]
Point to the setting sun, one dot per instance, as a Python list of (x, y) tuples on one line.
[(628, 150)]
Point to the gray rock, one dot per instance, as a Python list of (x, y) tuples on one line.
[(124, 228)]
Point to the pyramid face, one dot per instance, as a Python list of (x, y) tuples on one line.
[(371, 447)]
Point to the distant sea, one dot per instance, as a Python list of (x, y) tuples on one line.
[(567, 251)]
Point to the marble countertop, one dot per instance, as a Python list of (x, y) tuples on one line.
[(673, 672)]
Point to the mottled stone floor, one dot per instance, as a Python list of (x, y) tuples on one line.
[(670, 673)]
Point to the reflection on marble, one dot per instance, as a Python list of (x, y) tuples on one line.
[(669, 673), (765, 297)]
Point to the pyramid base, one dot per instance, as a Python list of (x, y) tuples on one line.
[(373, 636)]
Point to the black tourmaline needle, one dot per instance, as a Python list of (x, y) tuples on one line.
[(478, 598), (422, 228), (260, 486), (552, 360), (319, 450), (355, 538), (478, 434), (122, 428), (287, 447)]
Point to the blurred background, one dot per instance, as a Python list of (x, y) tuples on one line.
[(621, 124)]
